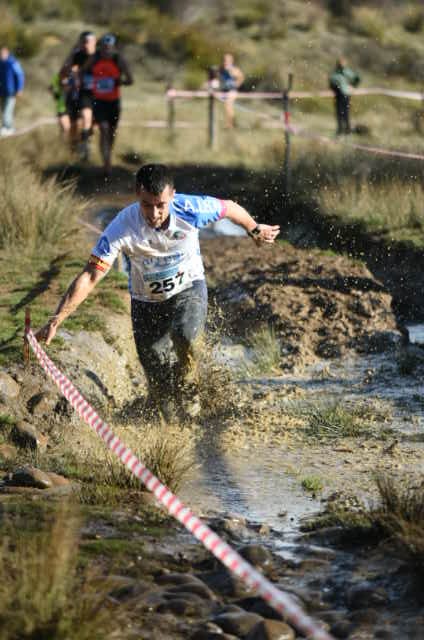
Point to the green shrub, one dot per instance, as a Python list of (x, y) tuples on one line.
[(340, 8), (414, 21), (367, 22), (21, 40)]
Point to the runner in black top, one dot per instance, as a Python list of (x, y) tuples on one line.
[(79, 96)]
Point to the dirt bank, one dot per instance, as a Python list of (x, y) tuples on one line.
[(320, 305)]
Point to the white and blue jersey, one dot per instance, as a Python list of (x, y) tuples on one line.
[(163, 262)]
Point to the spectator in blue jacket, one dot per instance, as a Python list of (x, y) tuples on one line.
[(12, 81)]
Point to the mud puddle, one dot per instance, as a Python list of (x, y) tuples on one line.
[(262, 481)]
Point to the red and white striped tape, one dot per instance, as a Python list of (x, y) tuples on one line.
[(280, 601), (297, 95)]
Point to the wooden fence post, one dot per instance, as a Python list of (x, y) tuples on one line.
[(27, 328), (171, 115), (211, 120), (286, 108)]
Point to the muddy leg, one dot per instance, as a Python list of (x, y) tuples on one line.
[(187, 328)]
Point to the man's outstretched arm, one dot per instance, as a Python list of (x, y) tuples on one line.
[(77, 292), (259, 232)]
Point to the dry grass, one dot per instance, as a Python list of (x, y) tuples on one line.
[(34, 215), (401, 515), (42, 593), (393, 206), (167, 452)]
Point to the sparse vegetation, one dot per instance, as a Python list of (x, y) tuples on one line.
[(266, 352), (336, 420), (39, 581), (314, 484), (33, 214)]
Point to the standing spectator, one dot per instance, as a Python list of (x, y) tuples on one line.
[(341, 81), (79, 97), (108, 70), (12, 81), (230, 79)]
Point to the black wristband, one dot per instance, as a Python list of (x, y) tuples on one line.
[(254, 233)]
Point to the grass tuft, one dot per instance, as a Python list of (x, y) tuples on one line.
[(331, 421), (42, 593)]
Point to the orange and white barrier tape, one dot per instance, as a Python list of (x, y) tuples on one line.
[(277, 599)]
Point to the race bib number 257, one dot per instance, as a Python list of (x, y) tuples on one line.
[(166, 285)]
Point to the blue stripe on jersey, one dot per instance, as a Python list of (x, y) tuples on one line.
[(199, 211)]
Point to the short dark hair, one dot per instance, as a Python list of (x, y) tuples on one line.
[(154, 178)]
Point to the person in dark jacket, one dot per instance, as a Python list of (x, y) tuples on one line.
[(341, 81), (12, 80)]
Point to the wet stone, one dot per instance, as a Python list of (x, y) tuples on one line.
[(365, 594), (30, 477), (238, 623), (26, 436), (210, 631), (184, 604), (342, 629), (256, 555), (222, 582), (178, 578), (271, 630), (9, 389), (384, 634), (259, 606), (196, 588), (364, 616)]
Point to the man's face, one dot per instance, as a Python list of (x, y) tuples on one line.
[(4, 53), (155, 209)]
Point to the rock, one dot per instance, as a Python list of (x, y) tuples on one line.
[(176, 578), (239, 623), (58, 480), (184, 604), (7, 452), (342, 629), (211, 631), (364, 616), (198, 588), (254, 604), (26, 436), (224, 583), (271, 630), (9, 389), (256, 555), (365, 594), (208, 631), (30, 477), (383, 633), (41, 403)]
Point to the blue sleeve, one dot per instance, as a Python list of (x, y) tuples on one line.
[(199, 211), (111, 242), (19, 76)]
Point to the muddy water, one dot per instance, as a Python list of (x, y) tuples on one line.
[(250, 480)]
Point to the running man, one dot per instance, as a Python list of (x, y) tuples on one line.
[(79, 97), (159, 234), (108, 71)]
